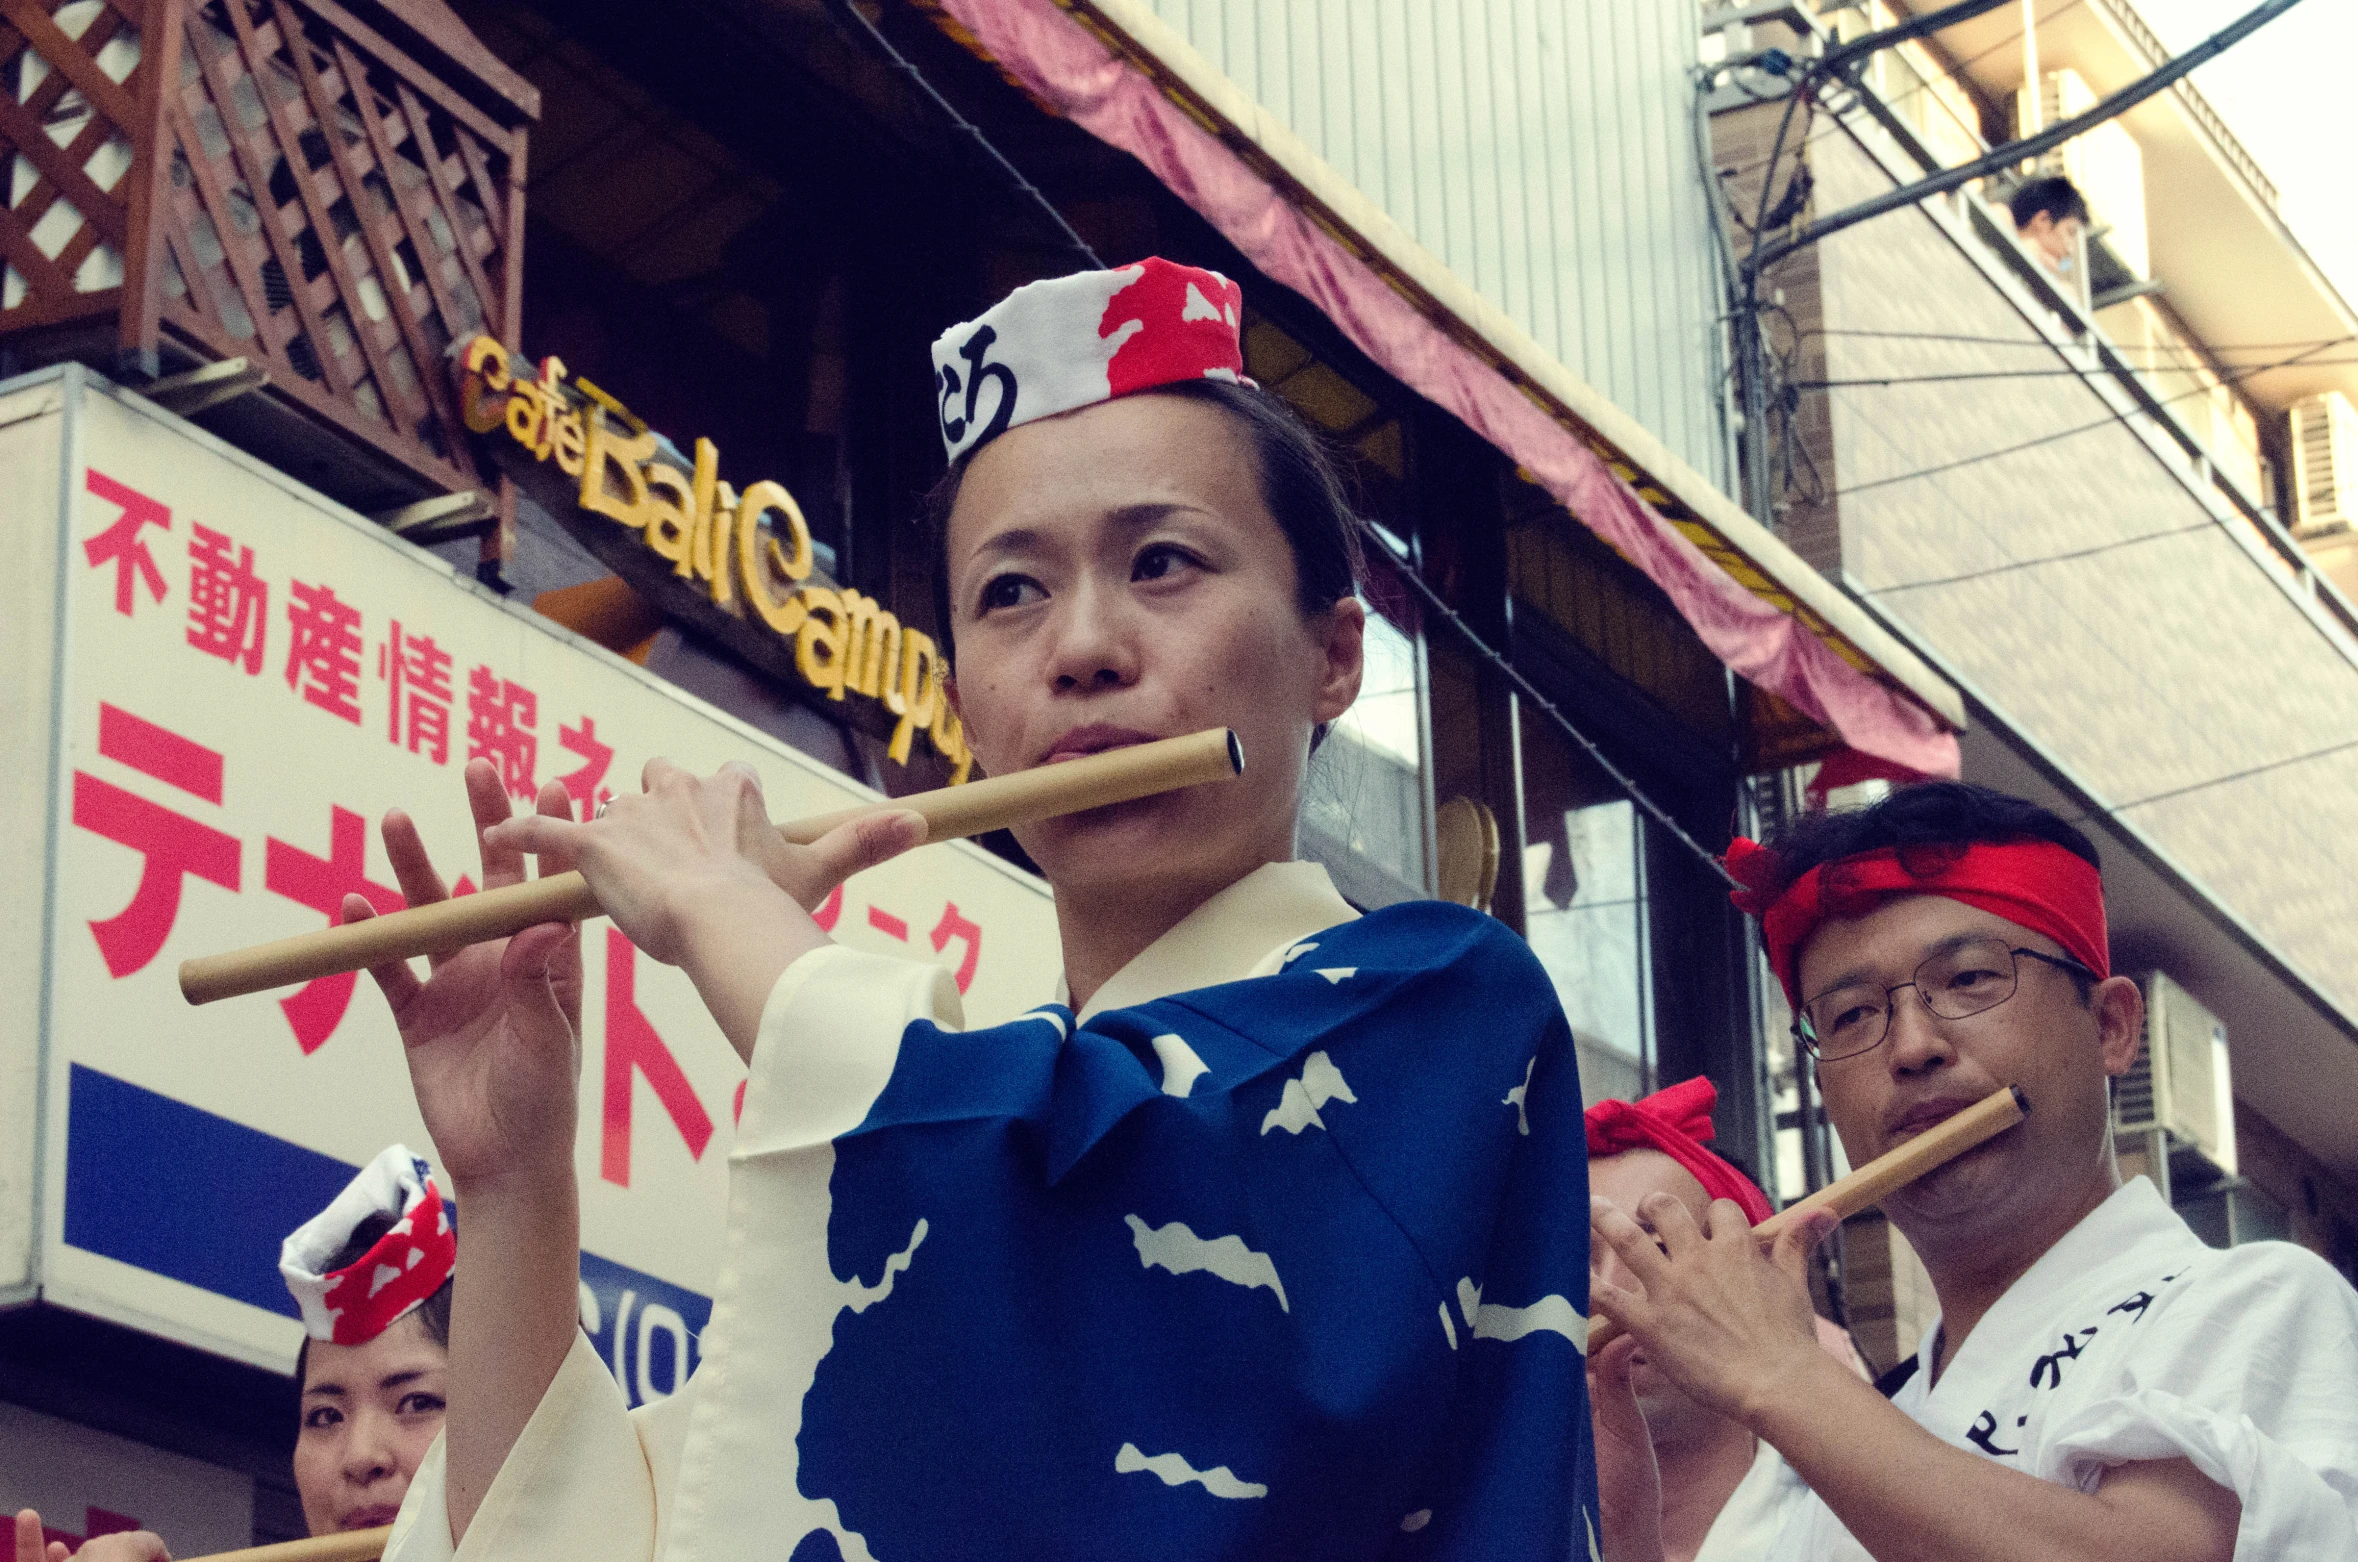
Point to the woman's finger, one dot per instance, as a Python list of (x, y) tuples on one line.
[(28, 1546), (394, 978), (527, 972), (413, 869), (860, 844), (533, 835), (487, 800), (555, 802), (662, 773)]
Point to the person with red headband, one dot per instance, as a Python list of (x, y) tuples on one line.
[(1716, 1492), (2099, 1384)]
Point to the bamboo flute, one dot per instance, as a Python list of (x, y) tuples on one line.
[(360, 1545), (1881, 1177), (996, 803)]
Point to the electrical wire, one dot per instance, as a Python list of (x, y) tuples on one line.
[(852, 16), (2085, 428), (2012, 565), (1547, 707), (2028, 147), (2327, 752), (2032, 374), (1738, 170), (2032, 341)]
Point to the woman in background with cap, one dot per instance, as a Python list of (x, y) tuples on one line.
[(1268, 1239), (370, 1275)]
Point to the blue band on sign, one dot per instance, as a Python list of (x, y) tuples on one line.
[(195, 1197)]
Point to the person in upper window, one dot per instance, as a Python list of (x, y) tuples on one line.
[(2099, 1385), (1265, 1237), (2049, 216)]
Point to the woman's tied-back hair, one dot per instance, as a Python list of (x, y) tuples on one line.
[(433, 1314), (1300, 484)]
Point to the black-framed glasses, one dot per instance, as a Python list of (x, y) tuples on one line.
[(1965, 979)]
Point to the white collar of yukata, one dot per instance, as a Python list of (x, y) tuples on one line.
[(2132, 1213), (1247, 926)]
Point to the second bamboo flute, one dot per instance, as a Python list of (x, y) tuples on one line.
[(1881, 1177), (1115, 776)]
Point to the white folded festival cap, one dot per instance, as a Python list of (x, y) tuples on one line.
[(405, 1266), (1049, 347)]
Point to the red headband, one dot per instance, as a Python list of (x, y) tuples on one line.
[(1676, 1122), (2035, 884)]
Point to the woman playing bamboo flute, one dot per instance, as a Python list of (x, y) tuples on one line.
[(1268, 1238)]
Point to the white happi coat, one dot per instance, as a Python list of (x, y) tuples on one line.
[(2131, 1340), (1757, 1511)]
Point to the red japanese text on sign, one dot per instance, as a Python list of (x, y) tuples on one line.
[(500, 718), (173, 844), (323, 649), (121, 544), (417, 673), (583, 785), (633, 1047), (228, 604), (321, 883)]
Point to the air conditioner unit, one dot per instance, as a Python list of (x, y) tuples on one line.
[(2325, 464), (2179, 1083)]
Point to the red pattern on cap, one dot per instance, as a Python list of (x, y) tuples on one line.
[(1188, 324), (407, 1265), (1676, 1121), (2035, 884)]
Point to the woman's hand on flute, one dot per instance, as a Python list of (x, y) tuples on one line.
[(1729, 1325), (695, 874), (492, 1034)]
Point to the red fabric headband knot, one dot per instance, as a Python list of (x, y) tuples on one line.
[(1675, 1121), (2035, 884)]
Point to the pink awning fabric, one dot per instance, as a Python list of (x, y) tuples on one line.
[(1060, 62)]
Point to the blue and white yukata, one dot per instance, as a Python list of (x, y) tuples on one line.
[(1278, 1249)]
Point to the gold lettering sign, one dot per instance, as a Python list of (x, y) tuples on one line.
[(750, 553)]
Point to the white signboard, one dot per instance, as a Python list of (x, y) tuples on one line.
[(249, 677)]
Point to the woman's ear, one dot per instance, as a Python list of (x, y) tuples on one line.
[(1342, 637)]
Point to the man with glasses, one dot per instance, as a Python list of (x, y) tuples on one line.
[(2099, 1384)]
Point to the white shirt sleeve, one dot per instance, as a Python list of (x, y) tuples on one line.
[(589, 1477), (2250, 1378)]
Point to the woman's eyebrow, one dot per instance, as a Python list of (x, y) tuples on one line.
[(334, 1389), (397, 1379)]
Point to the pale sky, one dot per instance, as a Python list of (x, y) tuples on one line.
[(2285, 92)]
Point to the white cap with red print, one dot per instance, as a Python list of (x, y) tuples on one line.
[(1050, 347), (355, 1304)]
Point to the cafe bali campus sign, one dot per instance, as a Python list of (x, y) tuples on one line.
[(738, 566)]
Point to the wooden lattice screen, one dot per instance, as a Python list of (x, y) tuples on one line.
[(270, 179)]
